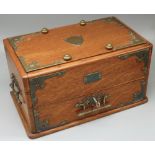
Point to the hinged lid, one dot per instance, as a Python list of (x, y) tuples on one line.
[(48, 48)]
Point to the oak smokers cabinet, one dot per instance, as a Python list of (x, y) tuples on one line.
[(74, 74)]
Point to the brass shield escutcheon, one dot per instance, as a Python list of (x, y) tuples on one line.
[(75, 40)]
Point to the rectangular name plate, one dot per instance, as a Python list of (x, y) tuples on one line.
[(92, 77)]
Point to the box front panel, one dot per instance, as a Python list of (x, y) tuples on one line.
[(82, 80), (57, 114), (63, 97)]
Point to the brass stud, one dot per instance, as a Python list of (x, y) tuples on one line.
[(83, 22), (109, 46), (44, 31), (67, 57)]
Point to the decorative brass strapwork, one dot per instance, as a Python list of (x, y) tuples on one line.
[(16, 89), (135, 38), (137, 96), (14, 41), (29, 66), (142, 56), (42, 125), (38, 83), (92, 104), (34, 65)]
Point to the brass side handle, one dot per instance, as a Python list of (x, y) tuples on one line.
[(16, 89)]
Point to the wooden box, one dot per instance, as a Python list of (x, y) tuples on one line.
[(74, 74)]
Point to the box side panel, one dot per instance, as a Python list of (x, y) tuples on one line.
[(149, 64), (19, 86)]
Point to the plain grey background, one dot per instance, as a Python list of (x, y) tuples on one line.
[(134, 124)]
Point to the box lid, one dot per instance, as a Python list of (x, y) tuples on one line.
[(57, 46)]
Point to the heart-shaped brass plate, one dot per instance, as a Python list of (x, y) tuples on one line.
[(75, 40)]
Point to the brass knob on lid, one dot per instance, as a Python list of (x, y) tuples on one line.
[(109, 46), (44, 30), (83, 22), (67, 57)]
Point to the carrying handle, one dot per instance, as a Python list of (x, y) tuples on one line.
[(16, 89)]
